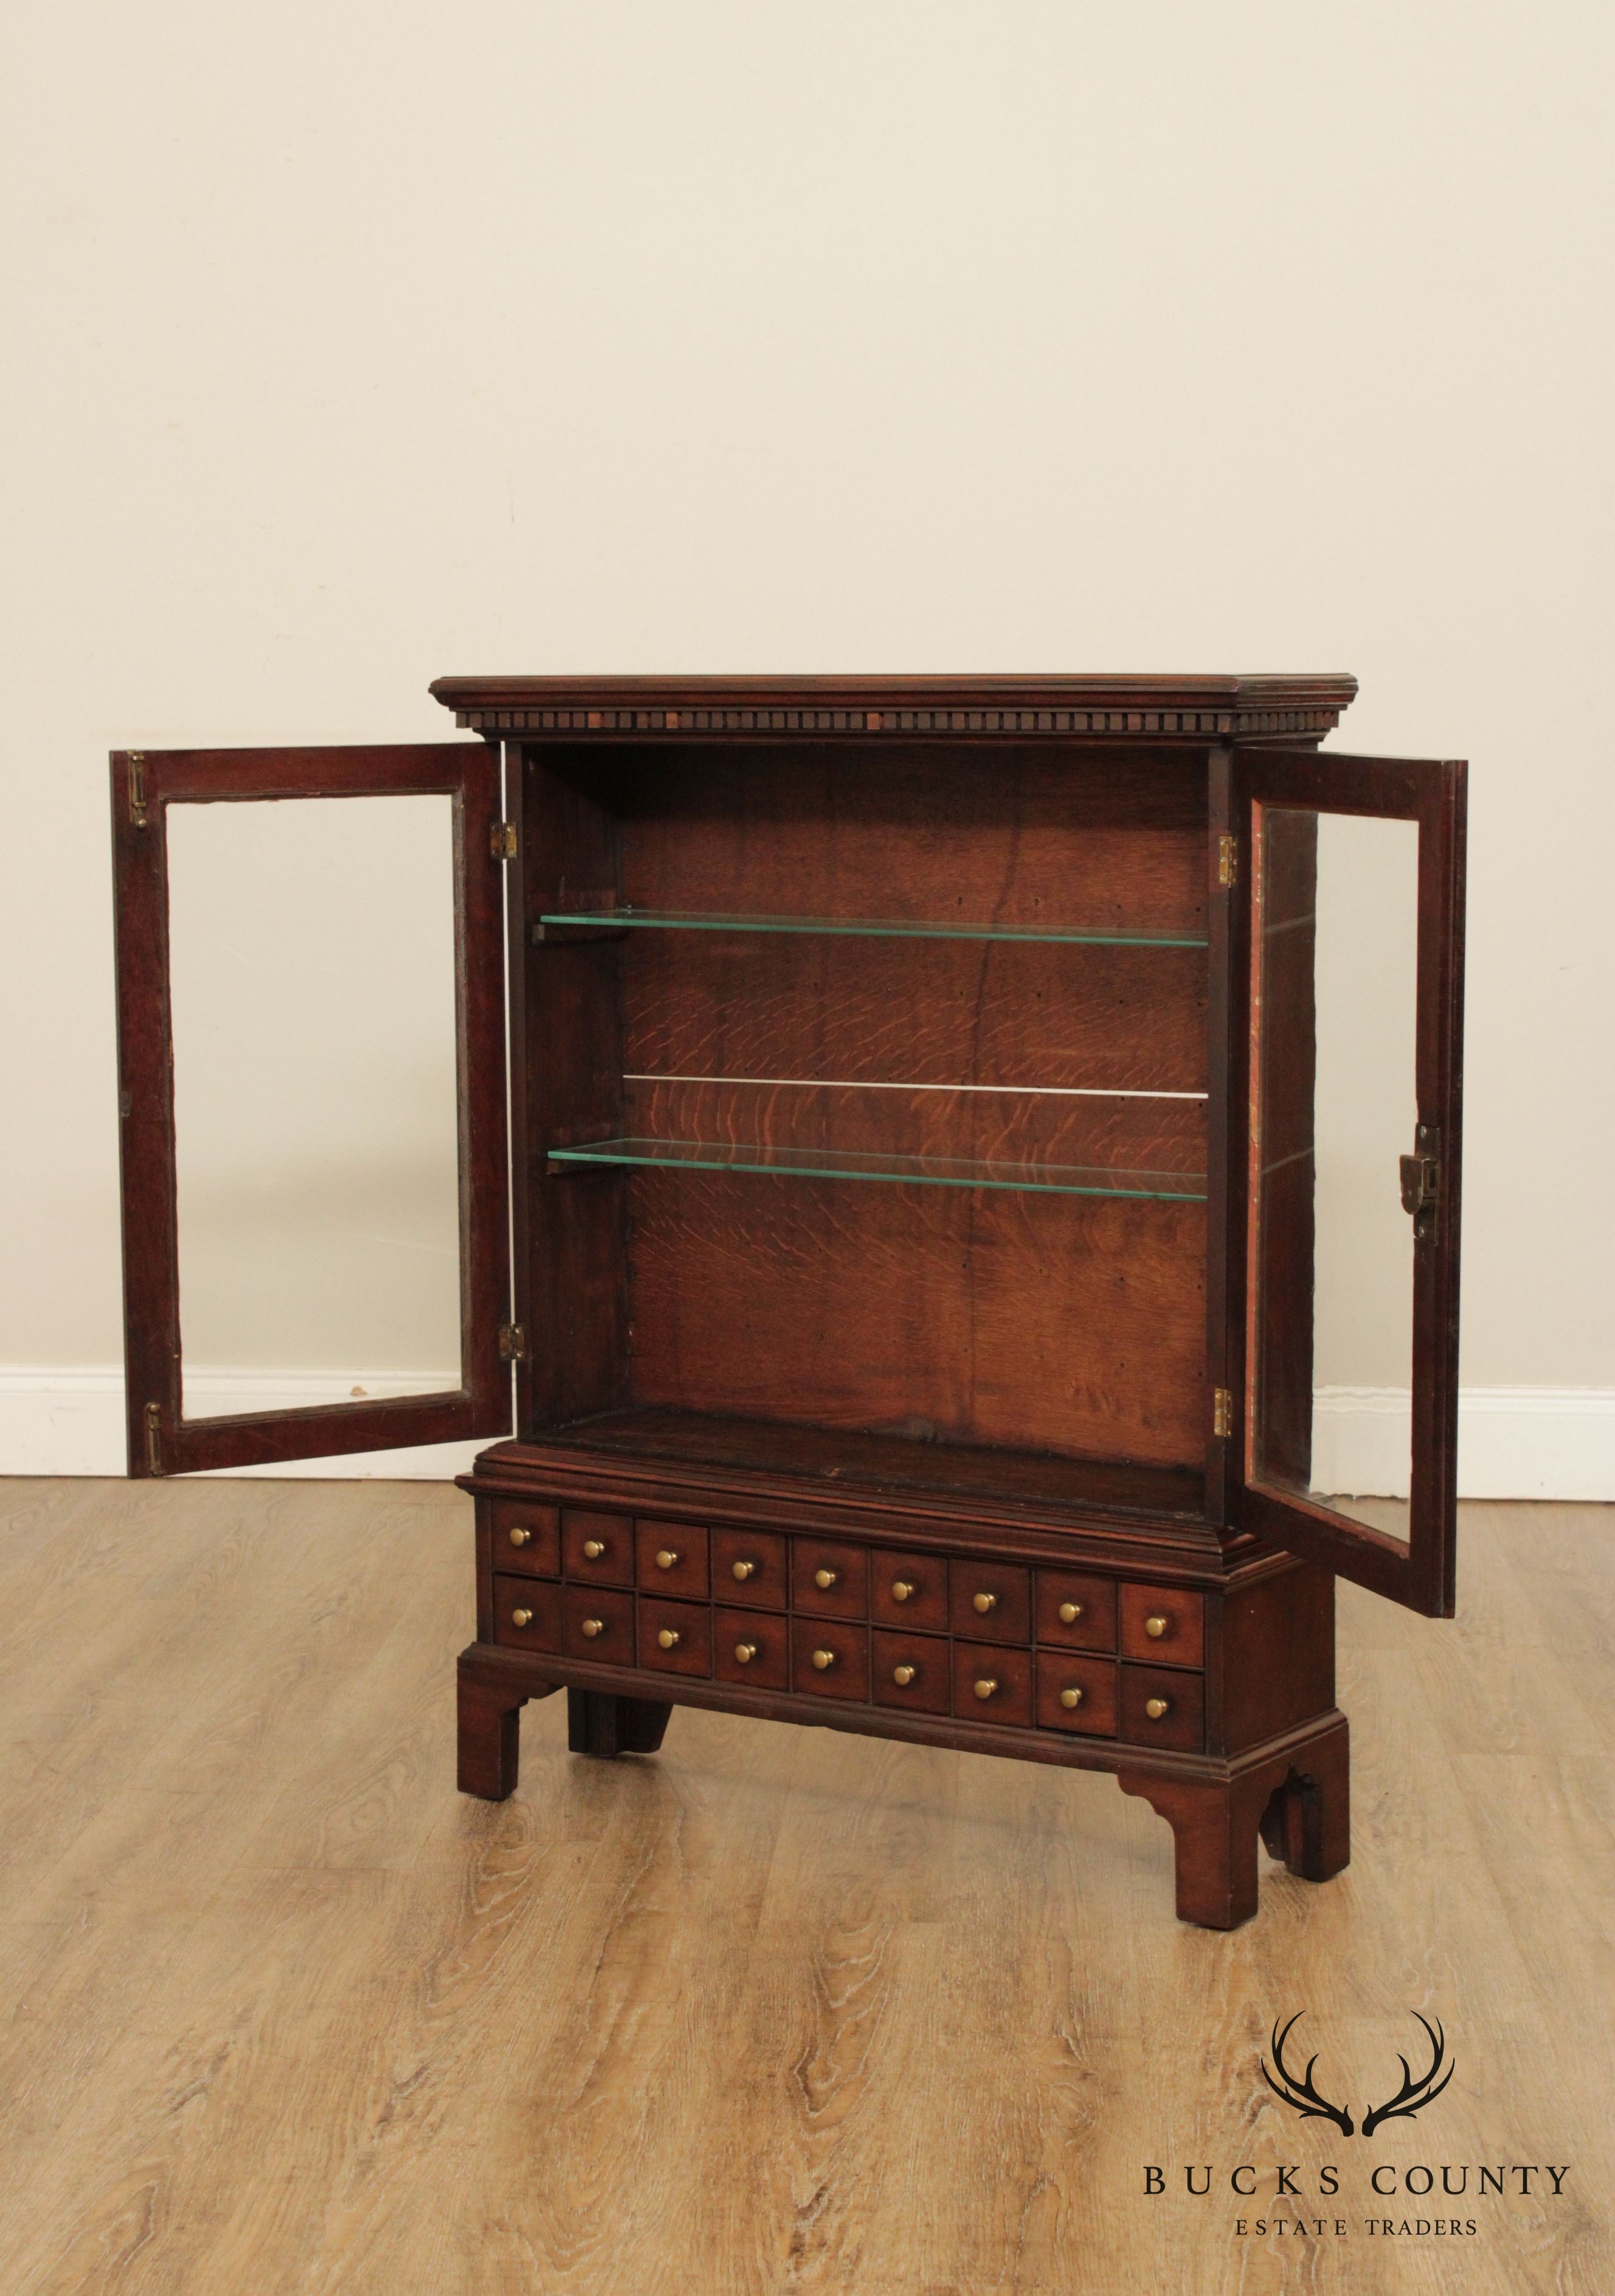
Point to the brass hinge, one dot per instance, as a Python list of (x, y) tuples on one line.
[(502, 841), (1420, 1176), (138, 812), (1222, 1414), (154, 1439), (513, 1343), (1227, 860)]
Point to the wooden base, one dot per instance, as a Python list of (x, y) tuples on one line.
[(1294, 1795), (490, 1730), (1299, 1803)]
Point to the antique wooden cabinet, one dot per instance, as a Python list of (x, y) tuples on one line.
[(912, 1191)]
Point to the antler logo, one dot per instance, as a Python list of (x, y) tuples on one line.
[(1302, 2095), (1413, 2094)]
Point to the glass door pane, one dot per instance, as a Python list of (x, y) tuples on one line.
[(316, 1134), (1334, 940)]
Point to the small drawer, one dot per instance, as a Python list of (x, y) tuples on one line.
[(670, 1558), (1164, 1625), (991, 1599), (908, 1590), (749, 1567), (993, 1685), (1161, 1707), (674, 1638), (597, 1622), (909, 1671), (1077, 1693), (749, 1646), (1076, 1611), (829, 1659), (597, 1546), (527, 1614), (829, 1579), (526, 1538)]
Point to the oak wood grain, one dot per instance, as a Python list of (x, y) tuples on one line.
[(1063, 1323)]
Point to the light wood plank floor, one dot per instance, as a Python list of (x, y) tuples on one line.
[(778, 2011)]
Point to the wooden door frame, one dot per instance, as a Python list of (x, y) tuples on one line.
[(1432, 793), (144, 784)]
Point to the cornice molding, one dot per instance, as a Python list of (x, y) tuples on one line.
[(1125, 708)]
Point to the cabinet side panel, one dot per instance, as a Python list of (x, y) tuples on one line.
[(1283, 1182), (1277, 1654), (569, 1071)]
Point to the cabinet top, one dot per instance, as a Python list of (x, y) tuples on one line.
[(1131, 707)]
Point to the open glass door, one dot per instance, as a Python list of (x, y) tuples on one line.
[(1351, 943), (312, 1089)]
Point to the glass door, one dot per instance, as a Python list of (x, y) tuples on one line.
[(1351, 946), (311, 1051)]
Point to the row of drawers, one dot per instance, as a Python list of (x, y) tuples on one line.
[(834, 1579), (1086, 1693)]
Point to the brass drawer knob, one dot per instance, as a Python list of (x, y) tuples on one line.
[(669, 1637), (666, 1557), (593, 1548), (984, 1603), (520, 1535), (592, 1627), (985, 1686), (1070, 1612), (902, 1589), (1071, 1698), (742, 1569), (744, 1652), (521, 1618), (1156, 1707), (823, 1659), (1155, 1626), (824, 1578), (904, 1675)]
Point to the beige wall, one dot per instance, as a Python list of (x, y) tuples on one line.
[(350, 345)]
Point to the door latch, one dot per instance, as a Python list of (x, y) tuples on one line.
[(1422, 1182), (139, 809)]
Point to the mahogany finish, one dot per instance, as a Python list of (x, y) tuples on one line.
[(750, 1646), (526, 1538), (1010, 1468)]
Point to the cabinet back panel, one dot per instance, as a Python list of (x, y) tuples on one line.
[(1061, 1324), (1064, 1324), (925, 1012), (1136, 1136), (993, 833)]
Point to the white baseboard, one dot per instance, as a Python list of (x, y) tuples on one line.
[(1513, 1442), (70, 1422)]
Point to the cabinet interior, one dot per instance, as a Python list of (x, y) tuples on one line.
[(864, 1112)]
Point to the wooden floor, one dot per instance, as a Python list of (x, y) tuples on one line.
[(775, 2011)]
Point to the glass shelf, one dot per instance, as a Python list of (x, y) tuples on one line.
[(870, 928), (869, 1164)]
